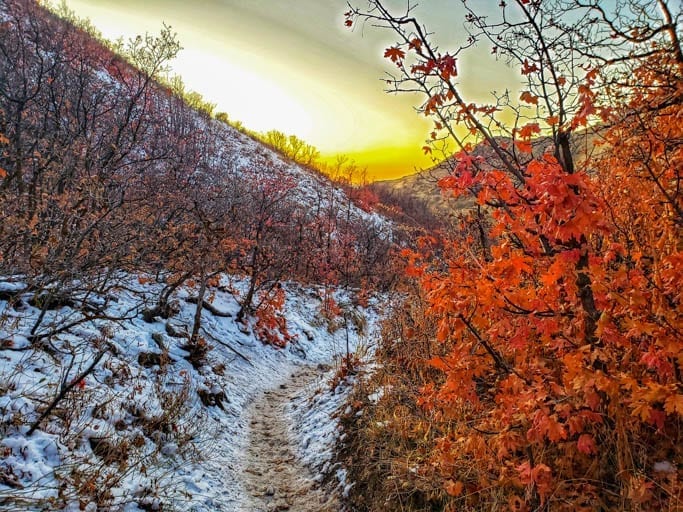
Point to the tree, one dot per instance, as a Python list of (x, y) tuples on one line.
[(77, 159), (270, 208), (292, 147), (558, 304)]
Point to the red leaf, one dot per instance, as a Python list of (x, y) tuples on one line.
[(527, 97), (394, 53), (415, 44), (586, 444), (528, 68)]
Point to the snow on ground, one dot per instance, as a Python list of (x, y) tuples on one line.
[(313, 415), (136, 431)]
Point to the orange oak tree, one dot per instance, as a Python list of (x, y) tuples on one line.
[(558, 299)]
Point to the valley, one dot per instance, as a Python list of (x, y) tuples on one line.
[(198, 315)]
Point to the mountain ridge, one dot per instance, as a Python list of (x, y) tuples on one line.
[(423, 186)]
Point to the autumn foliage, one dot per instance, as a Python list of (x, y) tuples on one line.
[(107, 171), (538, 381), (271, 324), (551, 373)]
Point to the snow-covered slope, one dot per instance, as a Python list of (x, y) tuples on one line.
[(148, 429), (102, 406), (254, 160)]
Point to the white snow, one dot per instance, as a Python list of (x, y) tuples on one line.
[(179, 451)]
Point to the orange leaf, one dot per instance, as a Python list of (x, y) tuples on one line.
[(438, 363), (673, 404), (454, 488), (395, 54), (3, 173), (520, 264), (552, 120), (555, 431), (529, 129), (527, 97), (523, 146)]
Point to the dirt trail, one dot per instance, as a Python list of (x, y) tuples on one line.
[(273, 476)]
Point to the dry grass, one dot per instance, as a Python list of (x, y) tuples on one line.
[(389, 439), (397, 452)]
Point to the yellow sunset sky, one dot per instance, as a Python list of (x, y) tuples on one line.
[(291, 65)]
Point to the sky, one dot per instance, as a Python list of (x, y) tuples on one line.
[(293, 66)]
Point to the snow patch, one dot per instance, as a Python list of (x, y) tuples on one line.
[(146, 403)]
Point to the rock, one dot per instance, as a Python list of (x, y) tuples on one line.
[(158, 338), (298, 350), (209, 398), (174, 332), (664, 466), (149, 359)]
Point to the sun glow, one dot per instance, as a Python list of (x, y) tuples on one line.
[(260, 104), (289, 66)]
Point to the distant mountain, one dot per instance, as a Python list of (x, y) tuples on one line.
[(421, 191)]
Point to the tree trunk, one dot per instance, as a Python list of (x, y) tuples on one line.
[(198, 312)]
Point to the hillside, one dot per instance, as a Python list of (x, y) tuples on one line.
[(163, 277), (95, 151)]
